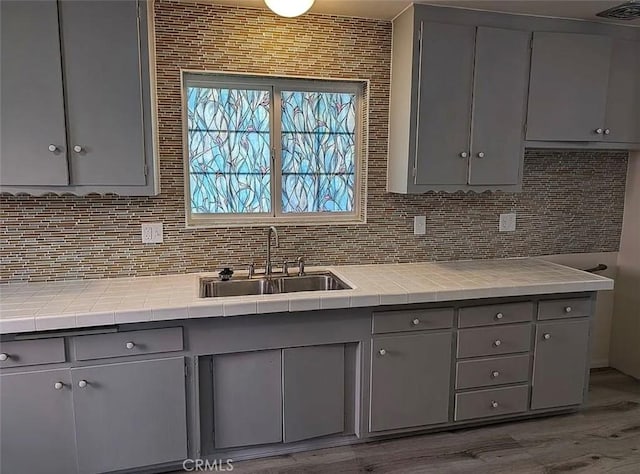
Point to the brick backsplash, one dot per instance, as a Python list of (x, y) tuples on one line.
[(572, 201)]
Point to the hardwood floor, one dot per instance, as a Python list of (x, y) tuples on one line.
[(604, 437)]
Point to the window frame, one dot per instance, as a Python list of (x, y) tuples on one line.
[(275, 85)]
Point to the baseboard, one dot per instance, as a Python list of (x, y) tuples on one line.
[(599, 363)]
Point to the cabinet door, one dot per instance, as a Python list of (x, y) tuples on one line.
[(130, 415), (247, 398), (568, 89), (104, 94), (37, 423), (313, 391), (32, 111), (560, 364), (410, 378), (499, 106), (623, 102), (444, 105)]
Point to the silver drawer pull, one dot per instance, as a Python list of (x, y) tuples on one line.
[(130, 345), (82, 383), (415, 322), (568, 309), (495, 374), (547, 336), (499, 316), (494, 404), (58, 385), (464, 154), (4, 356), (78, 149), (598, 131), (382, 352), (497, 342), (52, 148)]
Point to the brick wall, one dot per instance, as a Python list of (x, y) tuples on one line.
[(571, 202)]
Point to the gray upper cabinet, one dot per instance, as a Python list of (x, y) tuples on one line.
[(37, 423), (444, 106), (130, 415), (410, 378), (102, 68), (33, 142), (77, 97), (458, 106), (568, 88), (622, 122), (560, 364), (499, 106), (313, 391)]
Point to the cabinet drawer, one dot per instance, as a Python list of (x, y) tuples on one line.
[(33, 352), (564, 308), (494, 371), (101, 346), (494, 402), (416, 320), (495, 314), (494, 340)]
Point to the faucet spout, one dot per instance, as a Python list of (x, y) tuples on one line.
[(274, 231)]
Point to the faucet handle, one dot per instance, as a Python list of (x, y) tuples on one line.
[(251, 269), (300, 266)]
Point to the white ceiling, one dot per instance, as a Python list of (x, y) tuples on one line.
[(387, 9)]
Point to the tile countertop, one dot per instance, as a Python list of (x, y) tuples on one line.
[(28, 307)]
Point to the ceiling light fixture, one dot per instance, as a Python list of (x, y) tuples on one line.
[(289, 8)]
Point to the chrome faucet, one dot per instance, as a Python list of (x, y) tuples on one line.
[(267, 266)]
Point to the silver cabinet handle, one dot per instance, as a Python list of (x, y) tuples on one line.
[(546, 336), (495, 374), (77, 148), (568, 309), (382, 352), (464, 154), (494, 404), (497, 342), (130, 345), (599, 131), (607, 131), (4, 356), (481, 154), (415, 322), (82, 383), (499, 316), (58, 385), (53, 148)]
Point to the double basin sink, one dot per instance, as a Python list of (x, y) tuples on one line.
[(321, 281)]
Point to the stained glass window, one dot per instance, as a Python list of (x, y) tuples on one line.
[(233, 133)]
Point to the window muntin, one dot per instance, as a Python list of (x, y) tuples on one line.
[(266, 150)]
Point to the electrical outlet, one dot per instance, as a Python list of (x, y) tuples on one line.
[(419, 225), (152, 233), (507, 222)]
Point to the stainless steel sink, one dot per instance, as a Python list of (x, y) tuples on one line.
[(212, 287)]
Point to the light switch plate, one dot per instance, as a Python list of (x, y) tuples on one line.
[(507, 222), (419, 225), (152, 233)]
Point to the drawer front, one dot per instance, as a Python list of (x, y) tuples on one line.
[(495, 314), (101, 346), (494, 371), (494, 402), (416, 320), (32, 352), (494, 340), (564, 308)]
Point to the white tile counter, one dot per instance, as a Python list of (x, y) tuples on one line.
[(28, 307)]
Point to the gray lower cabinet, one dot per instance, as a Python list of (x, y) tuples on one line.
[(568, 87), (247, 398), (36, 422), (560, 363), (129, 415), (410, 380), (313, 391)]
